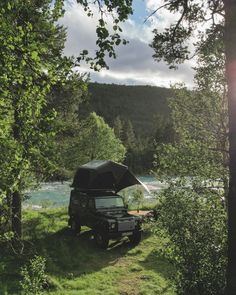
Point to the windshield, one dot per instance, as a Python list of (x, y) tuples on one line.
[(109, 202)]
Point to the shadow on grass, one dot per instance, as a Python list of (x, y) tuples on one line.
[(67, 256), (155, 261)]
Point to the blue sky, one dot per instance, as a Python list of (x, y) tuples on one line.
[(134, 64), (140, 11)]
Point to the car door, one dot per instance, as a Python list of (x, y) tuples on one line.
[(91, 212), (83, 202)]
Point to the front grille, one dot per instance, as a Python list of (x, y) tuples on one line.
[(126, 225)]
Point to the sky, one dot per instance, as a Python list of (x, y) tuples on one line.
[(134, 64)]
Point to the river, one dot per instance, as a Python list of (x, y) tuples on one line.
[(56, 194)]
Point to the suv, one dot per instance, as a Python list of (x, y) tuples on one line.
[(105, 213)]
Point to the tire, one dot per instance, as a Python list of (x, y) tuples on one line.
[(101, 240), (136, 237), (75, 226)]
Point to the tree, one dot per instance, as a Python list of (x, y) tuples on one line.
[(195, 167), (96, 140), (107, 38), (30, 63), (118, 127), (129, 138), (172, 46), (164, 132), (201, 146), (65, 100)]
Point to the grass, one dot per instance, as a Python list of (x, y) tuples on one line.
[(76, 266)]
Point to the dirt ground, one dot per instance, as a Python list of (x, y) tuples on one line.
[(140, 213)]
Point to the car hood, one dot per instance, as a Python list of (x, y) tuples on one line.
[(115, 214)]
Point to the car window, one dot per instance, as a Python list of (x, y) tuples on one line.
[(109, 202)]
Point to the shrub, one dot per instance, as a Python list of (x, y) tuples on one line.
[(195, 225), (138, 197), (33, 276)]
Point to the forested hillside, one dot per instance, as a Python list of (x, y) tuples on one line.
[(139, 104), (139, 116)]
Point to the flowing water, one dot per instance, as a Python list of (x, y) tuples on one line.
[(57, 193)]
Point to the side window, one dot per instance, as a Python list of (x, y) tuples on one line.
[(74, 197)]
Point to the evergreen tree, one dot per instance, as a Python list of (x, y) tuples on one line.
[(129, 138), (118, 128)]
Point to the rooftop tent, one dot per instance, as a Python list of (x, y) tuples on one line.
[(103, 175)]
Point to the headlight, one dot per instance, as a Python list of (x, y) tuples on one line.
[(112, 225)]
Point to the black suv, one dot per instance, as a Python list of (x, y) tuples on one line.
[(105, 213)]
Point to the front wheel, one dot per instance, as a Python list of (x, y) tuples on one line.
[(75, 226), (101, 239), (135, 238)]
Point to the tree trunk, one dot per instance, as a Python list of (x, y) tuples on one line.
[(230, 47), (16, 214)]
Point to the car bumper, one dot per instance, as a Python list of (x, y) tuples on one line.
[(116, 235)]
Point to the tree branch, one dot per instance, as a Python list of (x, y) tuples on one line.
[(165, 5)]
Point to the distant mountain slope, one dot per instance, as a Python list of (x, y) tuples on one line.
[(139, 104)]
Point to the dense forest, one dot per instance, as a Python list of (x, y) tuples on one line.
[(139, 115), (139, 104)]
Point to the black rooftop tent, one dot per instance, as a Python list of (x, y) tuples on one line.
[(103, 175)]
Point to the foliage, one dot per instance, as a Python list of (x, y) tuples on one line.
[(120, 104), (173, 43), (200, 122), (118, 127), (196, 227), (108, 37), (65, 100), (163, 126), (96, 140), (30, 64), (196, 165), (138, 197), (192, 210), (128, 103), (33, 276)]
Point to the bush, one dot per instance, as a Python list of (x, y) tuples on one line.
[(195, 225), (138, 197), (33, 276)]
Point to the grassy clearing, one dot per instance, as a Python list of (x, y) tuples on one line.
[(75, 266)]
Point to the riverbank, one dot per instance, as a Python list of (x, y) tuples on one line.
[(56, 194)]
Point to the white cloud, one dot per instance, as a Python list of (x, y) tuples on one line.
[(134, 63)]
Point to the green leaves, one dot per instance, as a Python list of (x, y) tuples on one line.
[(33, 276), (107, 38), (30, 63), (193, 208), (194, 224), (34, 55), (173, 44), (96, 140)]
